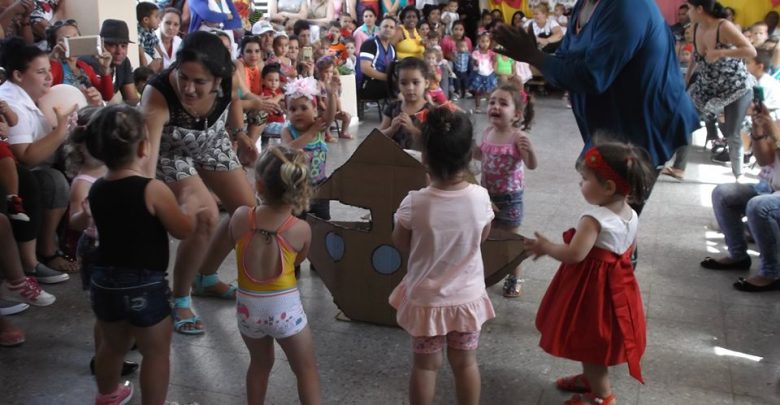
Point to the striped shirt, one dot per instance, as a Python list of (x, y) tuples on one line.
[(372, 50)]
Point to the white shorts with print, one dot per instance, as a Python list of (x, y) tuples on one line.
[(278, 314)]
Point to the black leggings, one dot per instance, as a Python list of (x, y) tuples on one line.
[(373, 89), (30, 194)]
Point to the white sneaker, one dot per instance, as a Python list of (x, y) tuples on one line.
[(28, 291), (11, 308)]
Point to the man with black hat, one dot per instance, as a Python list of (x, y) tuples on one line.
[(116, 36)]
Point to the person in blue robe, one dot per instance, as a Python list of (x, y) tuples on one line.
[(619, 65)]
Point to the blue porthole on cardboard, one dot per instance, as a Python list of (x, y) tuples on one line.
[(386, 259), (334, 244)]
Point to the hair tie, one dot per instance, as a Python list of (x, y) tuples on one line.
[(595, 162)]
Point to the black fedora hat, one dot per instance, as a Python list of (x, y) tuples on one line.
[(115, 31)]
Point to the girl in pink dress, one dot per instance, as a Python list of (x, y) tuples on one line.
[(440, 228), (483, 78)]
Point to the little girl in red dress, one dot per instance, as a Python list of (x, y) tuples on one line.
[(592, 311)]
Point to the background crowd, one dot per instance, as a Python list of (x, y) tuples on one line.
[(214, 83)]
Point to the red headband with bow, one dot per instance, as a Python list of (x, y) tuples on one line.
[(596, 163)]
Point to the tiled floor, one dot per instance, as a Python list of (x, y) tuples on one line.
[(694, 316)]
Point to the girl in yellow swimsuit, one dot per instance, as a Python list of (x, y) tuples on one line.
[(270, 242), (410, 44)]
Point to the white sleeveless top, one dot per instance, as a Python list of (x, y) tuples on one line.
[(617, 234)]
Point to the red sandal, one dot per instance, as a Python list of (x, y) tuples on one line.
[(11, 336), (574, 383), (590, 399)]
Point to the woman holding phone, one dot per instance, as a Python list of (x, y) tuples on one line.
[(70, 70)]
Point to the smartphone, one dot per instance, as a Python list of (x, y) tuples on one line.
[(308, 53), (758, 94), (88, 45)]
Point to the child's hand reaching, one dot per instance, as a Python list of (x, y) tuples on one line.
[(93, 96), (538, 247), (247, 149), (64, 117), (334, 86), (522, 142), (318, 126), (4, 107), (3, 130)]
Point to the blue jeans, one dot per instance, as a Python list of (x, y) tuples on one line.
[(137, 296), (733, 201)]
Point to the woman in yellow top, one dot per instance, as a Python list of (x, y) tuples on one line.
[(408, 42), (270, 242)]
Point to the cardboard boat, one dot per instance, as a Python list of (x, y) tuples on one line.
[(357, 260)]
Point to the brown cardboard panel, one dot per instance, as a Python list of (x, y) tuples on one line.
[(357, 260)]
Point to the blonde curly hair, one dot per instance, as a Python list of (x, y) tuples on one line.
[(285, 176)]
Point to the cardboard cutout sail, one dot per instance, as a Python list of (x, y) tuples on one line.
[(357, 260)]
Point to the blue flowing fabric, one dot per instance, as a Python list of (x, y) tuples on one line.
[(624, 78)]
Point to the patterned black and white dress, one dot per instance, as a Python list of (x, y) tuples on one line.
[(188, 143), (719, 83)]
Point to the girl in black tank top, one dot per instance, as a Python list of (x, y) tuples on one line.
[(128, 289)]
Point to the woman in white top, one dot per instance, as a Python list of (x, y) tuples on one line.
[(168, 33), (547, 31), (34, 142)]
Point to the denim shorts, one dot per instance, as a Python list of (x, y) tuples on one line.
[(86, 250), (137, 296), (510, 208)]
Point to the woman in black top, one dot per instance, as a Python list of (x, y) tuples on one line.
[(192, 113)]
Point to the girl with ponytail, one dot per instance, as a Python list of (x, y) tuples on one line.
[(270, 242), (442, 301), (133, 215)]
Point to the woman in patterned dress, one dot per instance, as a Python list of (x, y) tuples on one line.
[(193, 114)]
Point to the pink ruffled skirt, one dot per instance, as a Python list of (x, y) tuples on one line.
[(420, 320)]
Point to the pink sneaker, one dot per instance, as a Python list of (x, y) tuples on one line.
[(28, 291), (121, 396)]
